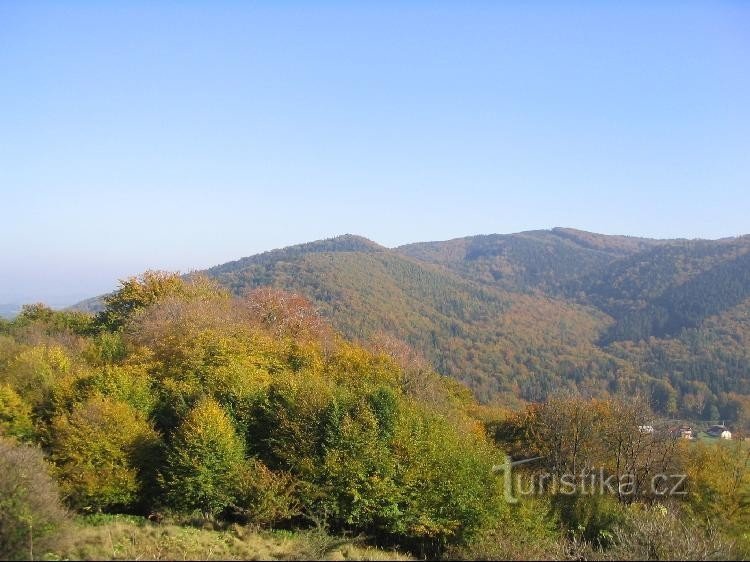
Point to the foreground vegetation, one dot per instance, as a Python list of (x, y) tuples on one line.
[(245, 427), (132, 538)]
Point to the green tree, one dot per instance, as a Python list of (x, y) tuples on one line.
[(204, 461), (265, 497), (54, 321), (356, 472), (34, 371), (125, 383), (447, 481)]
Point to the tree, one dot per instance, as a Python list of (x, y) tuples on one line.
[(444, 477), (137, 293), (284, 313), (718, 485), (34, 371), (54, 321), (204, 461), (126, 383), (104, 450), (31, 516), (356, 471), (573, 435), (265, 497), (15, 414)]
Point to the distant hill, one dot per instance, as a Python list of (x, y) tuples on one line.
[(519, 316), (539, 259), (663, 290), (650, 287)]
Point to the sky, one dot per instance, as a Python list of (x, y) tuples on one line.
[(180, 135)]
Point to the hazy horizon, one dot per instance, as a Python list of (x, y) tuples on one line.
[(170, 136), (104, 285)]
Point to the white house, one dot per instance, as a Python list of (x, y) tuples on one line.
[(719, 431)]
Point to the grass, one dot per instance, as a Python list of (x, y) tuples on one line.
[(133, 538)]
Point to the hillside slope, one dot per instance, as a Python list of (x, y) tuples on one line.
[(501, 343), (672, 287), (517, 317)]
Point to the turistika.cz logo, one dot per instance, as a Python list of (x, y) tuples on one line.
[(589, 481)]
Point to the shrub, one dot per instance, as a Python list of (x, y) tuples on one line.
[(204, 461), (660, 533), (592, 518), (31, 517), (265, 497), (522, 532), (104, 451)]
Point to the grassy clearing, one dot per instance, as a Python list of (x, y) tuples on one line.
[(130, 538)]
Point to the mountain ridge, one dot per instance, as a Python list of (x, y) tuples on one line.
[(520, 316)]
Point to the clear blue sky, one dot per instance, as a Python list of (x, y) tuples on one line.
[(178, 135)]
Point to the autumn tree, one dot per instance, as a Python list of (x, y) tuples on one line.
[(285, 313), (103, 450), (15, 414), (137, 293), (204, 461), (31, 516)]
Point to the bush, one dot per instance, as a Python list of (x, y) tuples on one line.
[(524, 531), (592, 518), (31, 517), (265, 497), (104, 451), (660, 533)]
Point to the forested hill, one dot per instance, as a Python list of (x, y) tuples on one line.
[(547, 259), (678, 310), (499, 342), (650, 287), (520, 316), (663, 290)]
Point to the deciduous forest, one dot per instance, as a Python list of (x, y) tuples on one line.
[(186, 419)]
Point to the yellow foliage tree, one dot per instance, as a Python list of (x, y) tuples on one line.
[(103, 450)]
